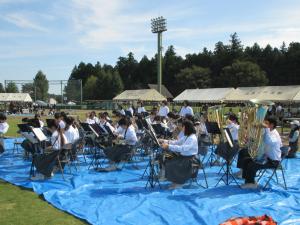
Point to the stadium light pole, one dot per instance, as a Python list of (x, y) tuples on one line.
[(158, 26)]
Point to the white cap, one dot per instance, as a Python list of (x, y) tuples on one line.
[(295, 122)]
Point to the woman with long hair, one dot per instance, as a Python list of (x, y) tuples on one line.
[(178, 169)]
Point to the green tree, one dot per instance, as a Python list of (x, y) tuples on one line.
[(127, 67), (2, 90), (73, 90), (193, 77), (41, 86), (172, 64), (116, 85), (90, 88), (28, 88), (11, 87), (243, 74)]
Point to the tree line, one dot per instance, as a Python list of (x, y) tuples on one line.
[(227, 65)]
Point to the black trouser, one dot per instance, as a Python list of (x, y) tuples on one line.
[(250, 167), (1, 145), (293, 149)]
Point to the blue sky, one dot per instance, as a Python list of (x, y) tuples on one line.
[(55, 35)]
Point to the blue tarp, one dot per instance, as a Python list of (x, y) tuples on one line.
[(120, 197)]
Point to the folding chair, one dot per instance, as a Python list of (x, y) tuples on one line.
[(284, 153), (63, 158), (196, 166), (129, 159)]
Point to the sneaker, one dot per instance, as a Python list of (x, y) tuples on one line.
[(238, 174), (37, 177), (174, 186), (249, 186), (107, 169), (216, 163)]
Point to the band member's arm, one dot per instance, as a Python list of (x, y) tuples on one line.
[(269, 139), (189, 147)]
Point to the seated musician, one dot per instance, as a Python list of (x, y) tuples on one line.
[(130, 110), (104, 124), (293, 139), (3, 129), (178, 169), (141, 109), (92, 118), (121, 110), (37, 118), (59, 119), (47, 163), (71, 132), (233, 126), (272, 154), (120, 151)]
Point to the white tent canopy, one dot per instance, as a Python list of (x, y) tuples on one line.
[(52, 101), (15, 97), (142, 94), (272, 93), (209, 95)]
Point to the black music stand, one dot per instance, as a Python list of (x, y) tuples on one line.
[(227, 150), (213, 129), (50, 122), (152, 174), (24, 128)]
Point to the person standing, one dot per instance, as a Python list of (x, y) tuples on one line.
[(164, 110), (186, 110)]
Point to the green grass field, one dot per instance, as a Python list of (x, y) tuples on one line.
[(19, 206)]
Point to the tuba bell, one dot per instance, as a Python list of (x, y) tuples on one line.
[(251, 130)]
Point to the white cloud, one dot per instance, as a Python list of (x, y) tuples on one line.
[(23, 22)]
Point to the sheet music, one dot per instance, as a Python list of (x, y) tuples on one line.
[(228, 138), (39, 134), (92, 129), (30, 137), (151, 130)]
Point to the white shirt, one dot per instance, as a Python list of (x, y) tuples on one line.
[(55, 141), (279, 108), (122, 112), (77, 136), (163, 111), (141, 110), (130, 109), (62, 124), (108, 125), (186, 146), (186, 111), (4, 127), (180, 135), (92, 121), (272, 144), (295, 136), (71, 135), (41, 123), (128, 134), (234, 131)]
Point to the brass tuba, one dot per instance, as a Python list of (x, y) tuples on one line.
[(251, 130)]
